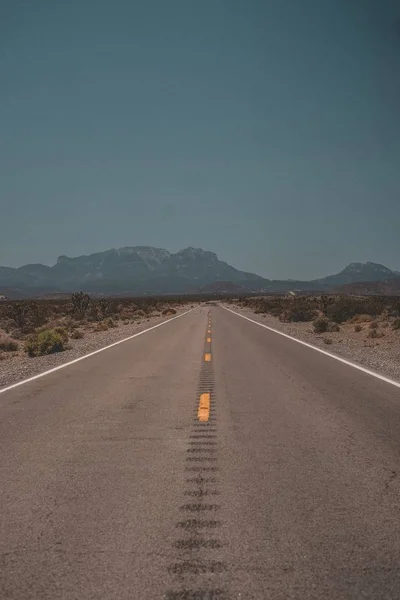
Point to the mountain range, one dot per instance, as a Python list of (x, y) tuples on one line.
[(141, 270)]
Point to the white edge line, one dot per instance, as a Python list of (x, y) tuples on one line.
[(72, 362), (338, 358)]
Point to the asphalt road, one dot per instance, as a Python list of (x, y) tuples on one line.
[(116, 484)]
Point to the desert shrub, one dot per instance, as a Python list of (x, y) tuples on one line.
[(102, 326), (47, 341), (77, 334), (111, 323), (396, 324), (357, 328), (80, 303), (139, 313), (168, 311), (8, 345), (328, 341), (99, 310), (375, 334), (17, 312), (375, 305), (323, 302), (333, 327), (298, 314), (62, 332), (361, 319), (321, 325), (104, 307), (373, 325), (345, 309), (36, 313)]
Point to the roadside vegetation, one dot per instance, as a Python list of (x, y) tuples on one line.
[(45, 326), (329, 314)]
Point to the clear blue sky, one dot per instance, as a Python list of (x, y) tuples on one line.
[(267, 131)]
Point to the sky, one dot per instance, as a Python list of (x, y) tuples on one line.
[(267, 131)]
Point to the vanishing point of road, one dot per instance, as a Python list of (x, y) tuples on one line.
[(209, 458)]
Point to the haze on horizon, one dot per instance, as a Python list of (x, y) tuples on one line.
[(266, 131)]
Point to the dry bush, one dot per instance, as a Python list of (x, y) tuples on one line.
[(77, 334), (321, 325), (8, 345), (47, 341), (168, 311), (374, 334), (361, 319), (373, 325), (358, 328), (396, 324), (80, 303)]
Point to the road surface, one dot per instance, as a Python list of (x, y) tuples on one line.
[(206, 459)]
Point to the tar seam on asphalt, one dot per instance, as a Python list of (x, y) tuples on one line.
[(197, 550)]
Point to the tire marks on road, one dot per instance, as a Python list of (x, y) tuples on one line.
[(198, 551)]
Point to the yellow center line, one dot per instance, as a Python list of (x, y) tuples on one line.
[(204, 407), (209, 340), (207, 357)]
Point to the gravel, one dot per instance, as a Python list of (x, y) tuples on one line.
[(381, 355), (18, 366)]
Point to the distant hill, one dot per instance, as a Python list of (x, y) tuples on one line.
[(129, 270), (140, 270), (358, 272)]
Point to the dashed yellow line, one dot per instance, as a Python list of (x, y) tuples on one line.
[(204, 407), (208, 340), (207, 357)]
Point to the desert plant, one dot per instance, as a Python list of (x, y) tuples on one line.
[(298, 314), (374, 333), (104, 307), (361, 319), (47, 341), (36, 313), (344, 309), (324, 302), (328, 341), (321, 325), (77, 334), (8, 345), (396, 324), (17, 312), (357, 328), (62, 332), (373, 325), (168, 311), (80, 303)]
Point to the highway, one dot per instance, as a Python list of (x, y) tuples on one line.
[(209, 458)]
